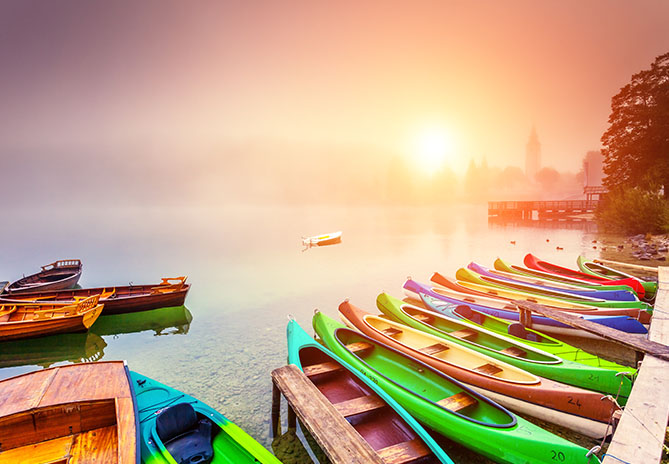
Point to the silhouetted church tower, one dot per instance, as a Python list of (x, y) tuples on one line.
[(532, 155)]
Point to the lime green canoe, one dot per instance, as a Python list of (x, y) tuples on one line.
[(515, 352), (177, 428), (599, 270), (446, 405)]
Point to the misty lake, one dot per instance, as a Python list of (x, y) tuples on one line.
[(248, 273)]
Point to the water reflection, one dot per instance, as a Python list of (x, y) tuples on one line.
[(47, 351), (163, 321)]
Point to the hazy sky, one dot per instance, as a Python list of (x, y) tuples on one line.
[(344, 73)]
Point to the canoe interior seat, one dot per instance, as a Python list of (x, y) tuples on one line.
[(467, 313), (405, 452), (391, 331), (422, 317), (514, 351), (488, 369), (186, 438), (358, 347), (359, 405), (321, 368), (457, 402), (518, 330), (434, 349), (464, 334)]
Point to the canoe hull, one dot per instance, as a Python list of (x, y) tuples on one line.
[(43, 327)]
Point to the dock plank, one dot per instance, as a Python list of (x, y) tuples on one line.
[(634, 341), (640, 433), (340, 441)]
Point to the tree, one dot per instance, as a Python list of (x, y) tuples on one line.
[(636, 144)]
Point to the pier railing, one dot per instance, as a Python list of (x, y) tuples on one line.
[(526, 209)]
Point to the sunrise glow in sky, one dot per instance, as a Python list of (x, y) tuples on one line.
[(439, 82)]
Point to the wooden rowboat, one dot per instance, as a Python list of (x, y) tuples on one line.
[(69, 414), (30, 320), (385, 425), (169, 292), (55, 276), (578, 409)]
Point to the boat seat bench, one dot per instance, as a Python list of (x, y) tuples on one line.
[(464, 334), (434, 349), (359, 405), (404, 452), (514, 351), (358, 346), (321, 368), (391, 331), (457, 402), (488, 369)]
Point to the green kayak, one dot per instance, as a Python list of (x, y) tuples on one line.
[(606, 272), (512, 351), (177, 428), (530, 337), (468, 275), (446, 405), (386, 425)]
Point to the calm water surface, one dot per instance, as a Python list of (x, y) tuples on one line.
[(248, 272)]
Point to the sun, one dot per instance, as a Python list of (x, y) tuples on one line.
[(433, 148)]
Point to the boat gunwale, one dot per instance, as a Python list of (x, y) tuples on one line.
[(555, 359), (450, 379)]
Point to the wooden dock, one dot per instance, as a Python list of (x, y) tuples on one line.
[(336, 437), (640, 433), (541, 209)]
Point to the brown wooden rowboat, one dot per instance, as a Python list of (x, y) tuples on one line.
[(31, 320), (117, 300), (64, 273), (69, 414)]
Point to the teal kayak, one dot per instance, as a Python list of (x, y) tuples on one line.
[(514, 352), (446, 405), (177, 428), (379, 419)]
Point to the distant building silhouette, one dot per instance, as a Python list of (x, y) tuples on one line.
[(593, 169), (532, 155)]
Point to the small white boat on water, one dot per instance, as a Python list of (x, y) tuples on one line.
[(322, 240)]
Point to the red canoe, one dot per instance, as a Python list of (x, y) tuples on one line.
[(533, 262)]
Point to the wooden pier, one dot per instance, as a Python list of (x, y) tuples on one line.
[(541, 209), (336, 437), (640, 433)]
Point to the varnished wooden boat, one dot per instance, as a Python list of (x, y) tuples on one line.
[(169, 292), (69, 414), (578, 409), (64, 273), (31, 320)]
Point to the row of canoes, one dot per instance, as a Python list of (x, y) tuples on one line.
[(459, 361), (102, 412), (44, 304)]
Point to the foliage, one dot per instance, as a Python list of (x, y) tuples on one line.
[(636, 144), (634, 211)]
